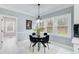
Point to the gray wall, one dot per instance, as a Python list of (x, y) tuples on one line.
[(59, 39), (22, 33)]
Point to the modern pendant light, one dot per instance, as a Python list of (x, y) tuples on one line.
[(38, 18)]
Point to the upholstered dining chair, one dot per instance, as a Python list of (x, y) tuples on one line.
[(32, 41), (46, 39)]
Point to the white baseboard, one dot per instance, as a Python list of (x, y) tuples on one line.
[(62, 45)]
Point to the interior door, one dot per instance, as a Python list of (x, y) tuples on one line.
[(1, 30), (9, 27), (7, 31)]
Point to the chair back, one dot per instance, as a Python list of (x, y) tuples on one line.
[(31, 38), (46, 39), (33, 33), (45, 33)]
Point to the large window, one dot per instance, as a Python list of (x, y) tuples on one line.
[(63, 25), (58, 25)]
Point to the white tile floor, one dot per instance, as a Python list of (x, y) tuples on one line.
[(11, 47)]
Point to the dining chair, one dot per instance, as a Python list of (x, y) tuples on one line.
[(46, 40), (31, 41)]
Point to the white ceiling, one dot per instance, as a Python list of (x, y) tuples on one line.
[(32, 9)]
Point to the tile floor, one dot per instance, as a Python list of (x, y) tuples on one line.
[(11, 47)]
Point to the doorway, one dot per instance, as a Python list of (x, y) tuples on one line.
[(7, 28)]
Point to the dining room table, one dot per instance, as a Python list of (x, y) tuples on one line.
[(39, 39)]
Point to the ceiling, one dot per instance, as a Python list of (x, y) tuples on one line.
[(32, 9)]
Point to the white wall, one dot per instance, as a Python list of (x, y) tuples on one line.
[(76, 14)]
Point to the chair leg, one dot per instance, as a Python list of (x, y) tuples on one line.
[(33, 49), (30, 45), (48, 46), (44, 50)]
